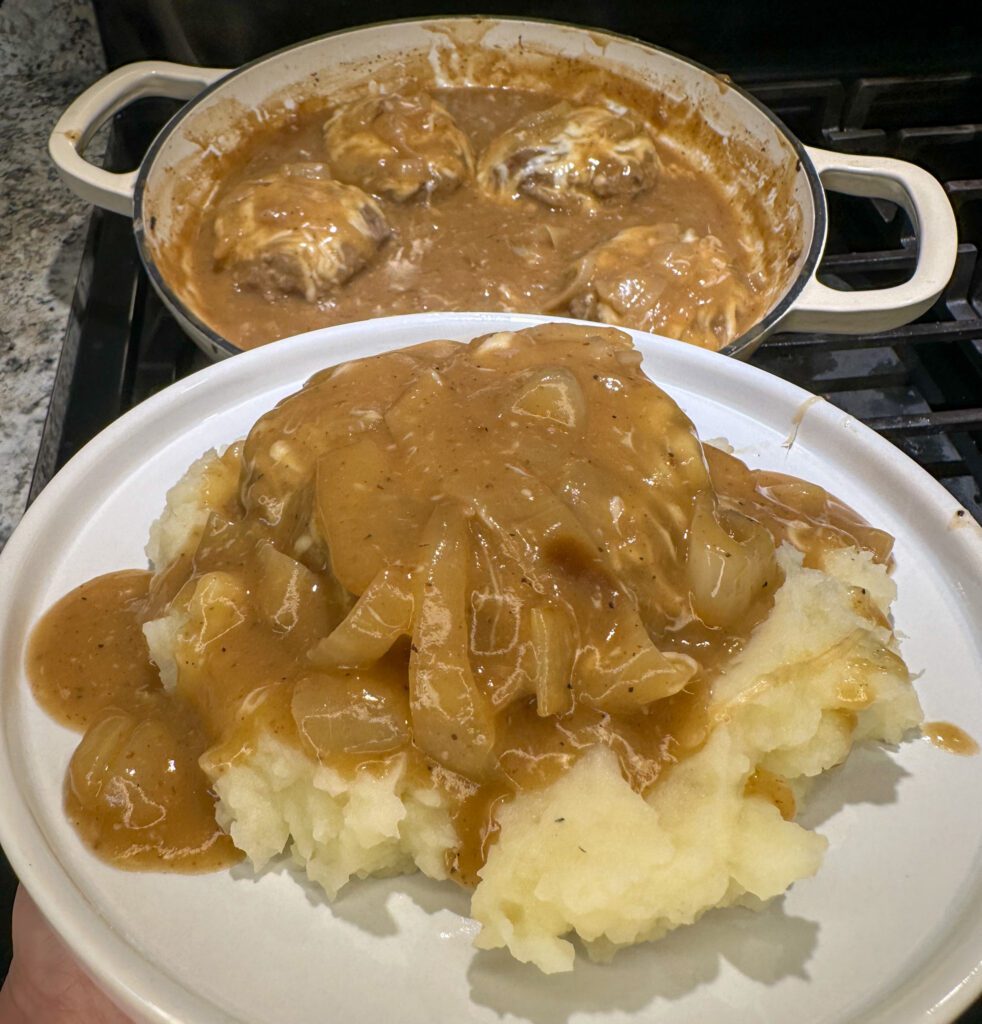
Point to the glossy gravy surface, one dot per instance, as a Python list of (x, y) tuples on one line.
[(134, 789), (461, 251), (482, 558), (947, 736)]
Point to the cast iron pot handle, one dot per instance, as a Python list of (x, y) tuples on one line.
[(96, 105), (819, 308)]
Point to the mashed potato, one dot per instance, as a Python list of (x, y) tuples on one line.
[(586, 855)]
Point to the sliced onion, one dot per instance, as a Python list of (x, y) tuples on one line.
[(382, 614), (291, 598), (220, 602), (357, 712), (91, 768), (412, 410), (625, 671), (554, 647), (452, 719), (367, 521), (640, 542), (731, 564), (553, 394)]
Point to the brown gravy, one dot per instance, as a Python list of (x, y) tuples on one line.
[(134, 789), (486, 558), (464, 251), (949, 737)]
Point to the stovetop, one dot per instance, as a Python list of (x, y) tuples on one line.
[(920, 385)]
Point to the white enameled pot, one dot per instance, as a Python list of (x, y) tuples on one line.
[(223, 104)]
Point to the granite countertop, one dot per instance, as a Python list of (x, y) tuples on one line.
[(49, 52)]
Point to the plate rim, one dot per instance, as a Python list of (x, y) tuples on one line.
[(117, 966)]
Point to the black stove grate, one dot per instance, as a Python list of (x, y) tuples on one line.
[(919, 385)]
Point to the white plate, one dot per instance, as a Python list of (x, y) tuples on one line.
[(889, 931)]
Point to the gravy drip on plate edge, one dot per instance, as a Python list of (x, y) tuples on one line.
[(134, 789), (950, 737)]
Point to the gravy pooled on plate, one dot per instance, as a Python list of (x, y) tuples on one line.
[(485, 559), (468, 199)]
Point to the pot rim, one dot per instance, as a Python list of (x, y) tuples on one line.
[(746, 343)]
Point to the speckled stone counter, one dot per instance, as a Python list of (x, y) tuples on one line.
[(49, 52)]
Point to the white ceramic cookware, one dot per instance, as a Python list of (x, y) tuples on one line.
[(222, 104)]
